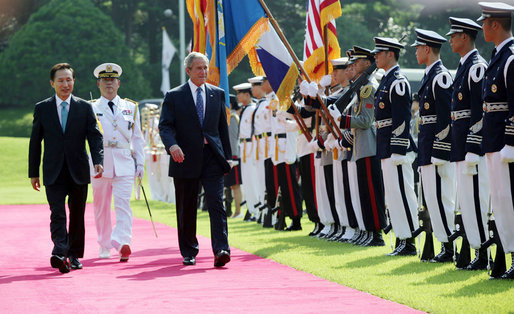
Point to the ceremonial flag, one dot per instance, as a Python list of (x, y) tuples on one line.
[(278, 65), (168, 51), (202, 14), (319, 14), (220, 55)]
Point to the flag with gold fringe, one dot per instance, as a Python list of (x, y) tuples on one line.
[(320, 13)]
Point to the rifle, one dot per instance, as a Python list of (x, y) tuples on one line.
[(424, 226), (499, 267), (355, 86), (463, 258)]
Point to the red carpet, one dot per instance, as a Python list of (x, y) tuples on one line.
[(154, 279)]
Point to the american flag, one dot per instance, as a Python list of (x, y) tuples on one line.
[(319, 14)]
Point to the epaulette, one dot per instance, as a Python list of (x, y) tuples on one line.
[(92, 101), (132, 101)]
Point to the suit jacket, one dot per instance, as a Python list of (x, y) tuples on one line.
[(69, 146), (179, 124)]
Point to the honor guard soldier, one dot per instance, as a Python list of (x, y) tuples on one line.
[(471, 174), (123, 160), (369, 175), (246, 147), (437, 173), (498, 120), (392, 115), (233, 179)]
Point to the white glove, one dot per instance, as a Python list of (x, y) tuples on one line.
[(334, 112), (330, 142), (313, 146), (304, 88), (232, 163), (398, 159), (313, 89), (140, 171), (437, 161), (507, 154), (325, 81), (471, 159), (284, 114), (338, 144), (469, 169)]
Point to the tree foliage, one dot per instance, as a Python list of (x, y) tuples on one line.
[(72, 31)]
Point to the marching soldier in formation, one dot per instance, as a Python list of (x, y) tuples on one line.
[(123, 160), (233, 179), (466, 106), (437, 173), (392, 114), (498, 120)]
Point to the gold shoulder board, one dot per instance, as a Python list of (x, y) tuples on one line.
[(366, 91)]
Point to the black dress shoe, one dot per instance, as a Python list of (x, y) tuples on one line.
[(405, 248), (60, 262), (509, 274), (374, 239), (479, 262), (189, 260), (221, 258), (75, 263)]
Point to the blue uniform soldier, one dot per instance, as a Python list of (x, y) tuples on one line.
[(471, 174), (434, 140), (498, 120), (393, 114)]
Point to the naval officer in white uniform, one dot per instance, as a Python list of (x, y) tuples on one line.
[(124, 158)]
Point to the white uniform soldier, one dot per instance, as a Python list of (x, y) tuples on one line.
[(247, 149), (123, 159)]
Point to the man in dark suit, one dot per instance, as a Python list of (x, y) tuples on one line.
[(193, 128), (64, 122)]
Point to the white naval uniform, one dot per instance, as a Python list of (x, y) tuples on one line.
[(262, 125), (248, 162), (119, 170)]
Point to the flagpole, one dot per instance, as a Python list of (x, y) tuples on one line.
[(338, 133)]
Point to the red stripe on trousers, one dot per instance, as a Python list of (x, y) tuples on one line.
[(275, 179), (313, 178), (237, 175), (372, 194), (290, 186)]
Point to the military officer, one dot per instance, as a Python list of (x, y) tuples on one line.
[(246, 147), (466, 105), (437, 173), (392, 114), (498, 119), (123, 160)]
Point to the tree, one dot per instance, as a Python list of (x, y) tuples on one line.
[(72, 31)]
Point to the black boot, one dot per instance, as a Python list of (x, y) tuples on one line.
[(480, 261), (315, 230), (509, 274), (446, 254), (295, 225), (374, 239), (405, 248)]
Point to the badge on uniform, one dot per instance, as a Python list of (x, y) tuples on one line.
[(494, 88), (126, 112), (99, 114), (381, 105), (366, 91), (427, 106), (459, 95)]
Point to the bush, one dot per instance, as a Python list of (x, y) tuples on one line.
[(72, 31)]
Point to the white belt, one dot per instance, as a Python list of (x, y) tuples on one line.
[(116, 144), (496, 106), (383, 123), (461, 114), (428, 119)]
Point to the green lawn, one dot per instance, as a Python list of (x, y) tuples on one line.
[(424, 286)]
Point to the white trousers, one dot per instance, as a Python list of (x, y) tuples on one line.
[(104, 189), (473, 197), (166, 182), (248, 176), (501, 199), (354, 191), (439, 193), (153, 172), (260, 183), (400, 197), (324, 212)]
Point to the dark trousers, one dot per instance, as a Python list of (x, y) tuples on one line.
[(308, 186), (371, 192), (67, 243), (291, 201), (271, 179), (186, 195), (329, 185), (352, 219)]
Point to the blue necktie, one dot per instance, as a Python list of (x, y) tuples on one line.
[(199, 105), (64, 115)]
